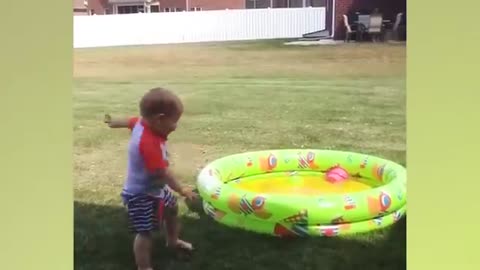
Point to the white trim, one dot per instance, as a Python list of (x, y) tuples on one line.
[(333, 18)]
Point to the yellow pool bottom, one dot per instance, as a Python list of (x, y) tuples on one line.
[(299, 184)]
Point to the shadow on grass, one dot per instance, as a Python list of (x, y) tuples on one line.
[(103, 242)]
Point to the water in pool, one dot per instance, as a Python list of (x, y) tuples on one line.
[(304, 183)]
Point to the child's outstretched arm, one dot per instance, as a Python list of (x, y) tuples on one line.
[(118, 122)]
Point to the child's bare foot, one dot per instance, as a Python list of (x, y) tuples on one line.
[(181, 249), (182, 245)]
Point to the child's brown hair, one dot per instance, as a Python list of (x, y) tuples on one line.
[(160, 101)]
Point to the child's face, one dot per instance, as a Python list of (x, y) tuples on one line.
[(164, 125)]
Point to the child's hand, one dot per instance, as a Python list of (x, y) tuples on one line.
[(117, 122), (189, 194), (107, 119)]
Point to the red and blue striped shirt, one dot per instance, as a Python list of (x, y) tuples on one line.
[(147, 154)]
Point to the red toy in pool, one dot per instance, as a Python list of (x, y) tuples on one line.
[(336, 175)]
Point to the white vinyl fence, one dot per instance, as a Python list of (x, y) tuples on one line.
[(201, 26)]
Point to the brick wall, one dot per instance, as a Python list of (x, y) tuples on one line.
[(173, 4), (98, 6), (216, 4), (389, 9), (203, 4)]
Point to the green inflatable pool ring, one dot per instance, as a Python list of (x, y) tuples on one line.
[(285, 192)]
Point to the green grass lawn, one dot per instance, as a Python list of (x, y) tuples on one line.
[(238, 97)]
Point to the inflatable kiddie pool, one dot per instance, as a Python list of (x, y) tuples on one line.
[(287, 193)]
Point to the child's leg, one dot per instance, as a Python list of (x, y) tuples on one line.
[(142, 249), (143, 221), (172, 224), (173, 229)]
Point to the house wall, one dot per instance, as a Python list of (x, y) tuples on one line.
[(103, 7), (215, 4), (389, 9), (99, 6), (79, 8), (203, 4), (173, 4)]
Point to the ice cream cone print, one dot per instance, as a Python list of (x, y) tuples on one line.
[(307, 161), (214, 212), (377, 172), (267, 164), (234, 203), (380, 204), (244, 206)]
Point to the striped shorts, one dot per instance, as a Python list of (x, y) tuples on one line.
[(145, 212)]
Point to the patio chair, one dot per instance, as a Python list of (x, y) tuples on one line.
[(348, 29), (393, 30), (398, 20), (397, 26), (363, 22), (375, 29)]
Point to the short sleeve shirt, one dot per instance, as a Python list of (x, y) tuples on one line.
[(147, 154)]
